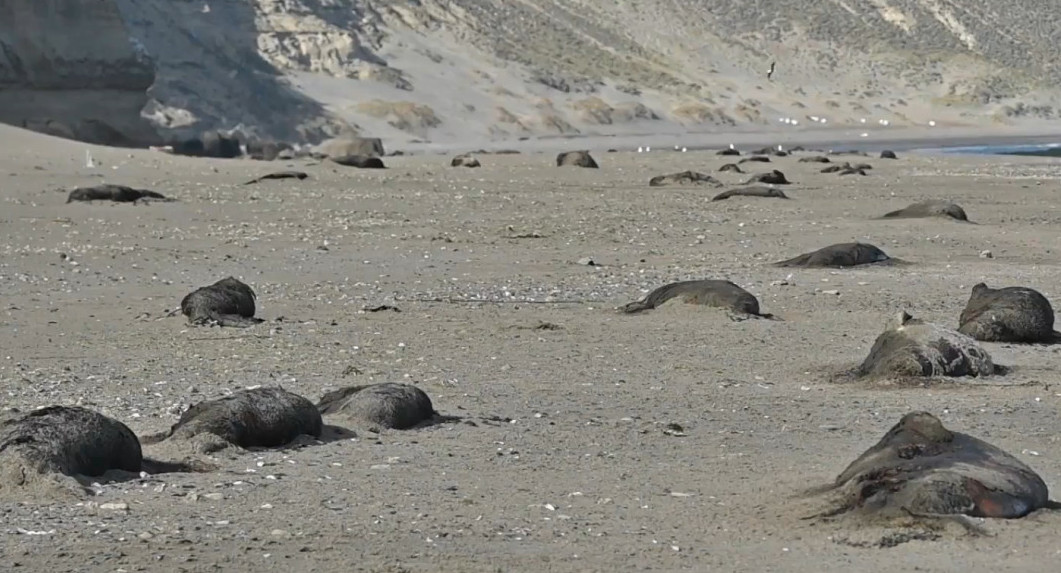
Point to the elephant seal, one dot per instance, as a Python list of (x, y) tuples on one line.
[(835, 168), (576, 159), (755, 159), (888, 154), (67, 440), (715, 293), (774, 177), (684, 178), (922, 469), (815, 159), (841, 255), (751, 191), (731, 167), (359, 161), (1008, 314), (852, 171), (465, 160), (931, 208), (265, 417), (228, 302), (729, 151), (386, 405), (116, 193), (300, 175), (910, 348)]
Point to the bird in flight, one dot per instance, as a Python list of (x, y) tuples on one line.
[(770, 72)]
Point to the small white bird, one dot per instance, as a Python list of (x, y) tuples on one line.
[(88, 160), (779, 148), (647, 149), (932, 123), (684, 149), (640, 149), (731, 146)]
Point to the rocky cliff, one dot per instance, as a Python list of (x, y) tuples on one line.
[(461, 70), (70, 68)]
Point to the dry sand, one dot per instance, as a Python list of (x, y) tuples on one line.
[(584, 477)]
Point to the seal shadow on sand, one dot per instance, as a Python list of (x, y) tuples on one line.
[(919, 478)]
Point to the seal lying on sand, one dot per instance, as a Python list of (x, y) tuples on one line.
[(258, 418), (1009, 314), (841, 255), (751, 191), (576, 158), (909, 347), (931, 208), (727, 152), (684, 178), (755, 159), (279, 175), (888, 154), (715, 293), (464, 160), (359, 161), (731, 167), (774, 177), (67, 440), (921, 468), (815, 159), (386, 405), (228, 302), (116, 193)]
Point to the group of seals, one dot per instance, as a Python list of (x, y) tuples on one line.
[(72, 441)]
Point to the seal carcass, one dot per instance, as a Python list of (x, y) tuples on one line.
[(841, 255), (921, 468), (751, 191), (910, 347), (67, 440), (385, 405), (716, 293), (228, 302), (257, 418), (930, 208), (1009, 314)]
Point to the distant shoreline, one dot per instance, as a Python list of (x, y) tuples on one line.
[(922, 140)]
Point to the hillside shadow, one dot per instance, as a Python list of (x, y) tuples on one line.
[(209, 64)]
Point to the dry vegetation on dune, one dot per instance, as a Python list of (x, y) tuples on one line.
[(907, 60)]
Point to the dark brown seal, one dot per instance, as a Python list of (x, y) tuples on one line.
[(910, 347), (228, 302), (257, 418), (931, 208), (922, 469), (727, 152), (465, 160), (731, 167), (684, 178), (716, 293), (755, 159), (815, 159), (1008, 314), (841, 255), (576, 159), (279, 175), (359, 161), (774, 177), (68, 440), (888, 154), (385, 405), (116, 193), (751, 191)]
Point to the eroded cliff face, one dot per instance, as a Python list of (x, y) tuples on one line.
[(70, 68)]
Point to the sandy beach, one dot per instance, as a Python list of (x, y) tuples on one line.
[(672, 440)]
